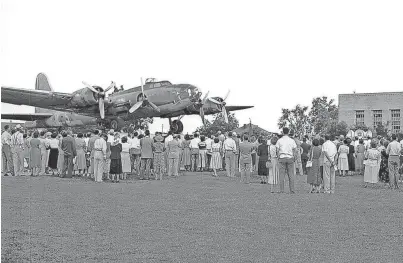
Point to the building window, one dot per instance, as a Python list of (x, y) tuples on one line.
[(359, 118), (377, 118), (395, 121)]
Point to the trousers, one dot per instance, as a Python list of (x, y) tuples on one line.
[(173, 166), (230, 163), (194, 160), (245, 172), (286, 167), (145, 167), (18, 160), (98, 166), (43, 160), (68, 166), (7, 159), (393, 163), (329, 177)]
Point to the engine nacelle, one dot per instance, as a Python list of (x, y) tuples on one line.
[(84, 97)]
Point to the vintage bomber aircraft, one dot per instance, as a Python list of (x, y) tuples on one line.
[(90, 105)]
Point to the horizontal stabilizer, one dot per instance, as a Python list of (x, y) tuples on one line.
[(26, 116), (235, 108)]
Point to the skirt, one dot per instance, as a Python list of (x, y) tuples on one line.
[(314, 176), (116, 166), (81, 161), (216, 161), (351, 162), (274, 172), (53, 158), (126, 163), (60, 160), (186, 157), (359, 161), (343, 163), (371, 174), (261, 168)]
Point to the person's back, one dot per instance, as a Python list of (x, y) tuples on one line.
[(146, 147), (245, 152), (174, 149)]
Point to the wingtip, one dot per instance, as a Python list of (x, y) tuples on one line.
[(236, 108)]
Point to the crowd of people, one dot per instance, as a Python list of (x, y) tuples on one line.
[(113, 156)]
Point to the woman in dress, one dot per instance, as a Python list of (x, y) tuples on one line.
[(321, 159), (53, 153), (125, 157), (27, 145), (273, 178), (116, 162), (186, 152), (35, 161), (314, 178), (81, 161), (351, 157), (216, 160), (343, 158), (359, 153), (107, 163), (383, 166), (372, 161), (263, 153)]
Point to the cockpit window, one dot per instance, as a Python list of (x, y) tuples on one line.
[(157, 85)]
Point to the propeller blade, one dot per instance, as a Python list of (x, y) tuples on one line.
[(142, 88), (225, 114), (90, 87), (113, 84), (102, 108), (214, 101), (136, 106), (202, 115), (205, 97), (226, 96), (155, 107)]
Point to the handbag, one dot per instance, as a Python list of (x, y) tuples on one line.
[(309, 163)]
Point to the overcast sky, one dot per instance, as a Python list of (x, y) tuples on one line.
[(270, 54)]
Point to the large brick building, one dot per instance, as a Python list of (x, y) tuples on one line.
[(372, 108)]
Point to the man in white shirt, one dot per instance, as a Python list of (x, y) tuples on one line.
[(286, 151), (168, 139), (230, 149), (111, 137), (194, 151), (7, 167), (99, 157), (209, 143), (394, 149), (17, 149), (135, 152), (329, 152)]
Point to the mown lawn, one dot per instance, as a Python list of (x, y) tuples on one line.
[(197, 218)]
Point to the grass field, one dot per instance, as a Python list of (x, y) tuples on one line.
[(197, 218)]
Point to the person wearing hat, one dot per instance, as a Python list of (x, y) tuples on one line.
[(158, 147), (17, 149), (7, 167)]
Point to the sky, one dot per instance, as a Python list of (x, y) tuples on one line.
[(270, 54)]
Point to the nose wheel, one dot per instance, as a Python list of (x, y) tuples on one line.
[(176, 126)]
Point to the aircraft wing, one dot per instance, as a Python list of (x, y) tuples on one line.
[(36, 98), (26, 116)]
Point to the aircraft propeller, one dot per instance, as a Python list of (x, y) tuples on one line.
[(143, 102), (201, 107), (222, 103), (100, 96)]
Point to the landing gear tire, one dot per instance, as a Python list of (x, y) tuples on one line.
[(177, 126)]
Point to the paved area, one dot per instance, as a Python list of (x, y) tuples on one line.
[(197, 218)]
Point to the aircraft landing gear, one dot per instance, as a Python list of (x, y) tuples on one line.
[(176, 126)]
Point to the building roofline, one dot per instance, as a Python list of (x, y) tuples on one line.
[(373, 93)]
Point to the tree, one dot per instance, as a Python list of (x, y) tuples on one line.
[(295, 119), (323, 115), (218, 124), (382, 129), (337, 129)]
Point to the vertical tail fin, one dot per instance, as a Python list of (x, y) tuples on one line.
[(42, 83)]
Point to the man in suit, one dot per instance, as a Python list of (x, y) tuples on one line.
[(174, 150), (69, 150), (146, 156)]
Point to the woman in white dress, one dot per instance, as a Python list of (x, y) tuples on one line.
[(273, 177), (216, 160), (372, 161), (125, 157), (343, 158)]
